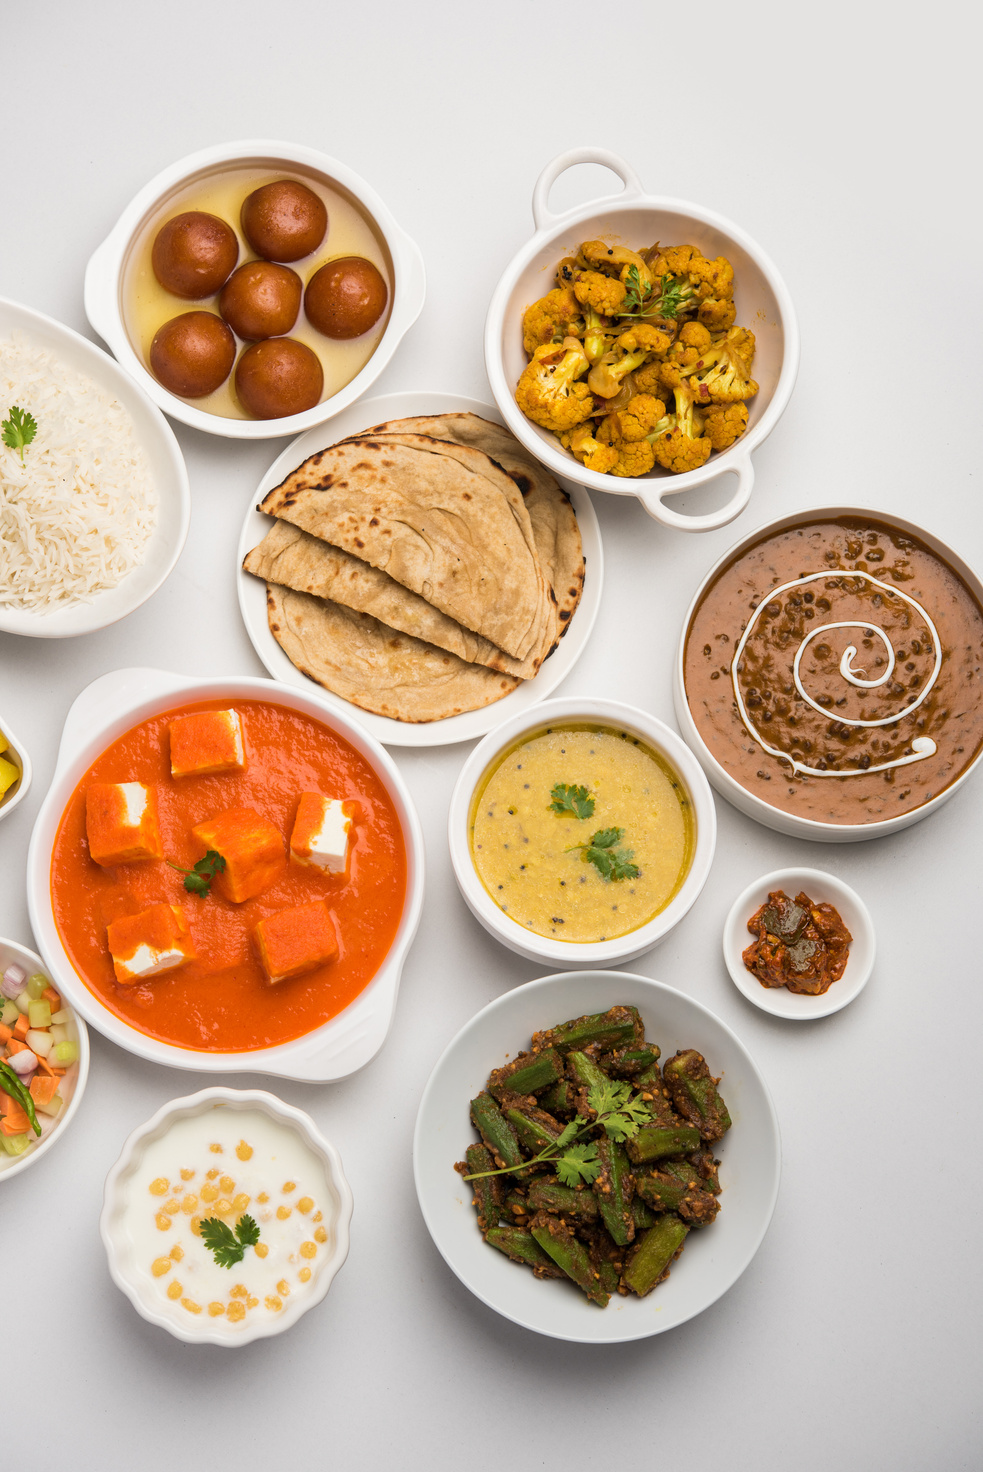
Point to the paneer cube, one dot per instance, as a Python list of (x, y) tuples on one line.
[(322, 832), (121, 823), (251, 847), (295, 941), (207, 743), (149, 944)]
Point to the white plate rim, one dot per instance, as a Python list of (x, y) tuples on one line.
[(607, 984), (471, 724)]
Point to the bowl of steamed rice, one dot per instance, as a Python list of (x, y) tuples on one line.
[(94, 495)]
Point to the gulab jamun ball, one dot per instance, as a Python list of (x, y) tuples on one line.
[(278, 377), (284, 221), (346, 297), (194, 254), (192, 355), (261, 299)]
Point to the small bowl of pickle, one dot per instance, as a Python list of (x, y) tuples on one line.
[(255, 289)]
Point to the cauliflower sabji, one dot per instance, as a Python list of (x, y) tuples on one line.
[(635, 359)]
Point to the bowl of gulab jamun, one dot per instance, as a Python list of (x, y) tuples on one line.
[(255, 288)]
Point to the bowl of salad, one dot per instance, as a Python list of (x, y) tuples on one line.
[(44, 1060)]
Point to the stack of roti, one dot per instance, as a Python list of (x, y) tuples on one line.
[(421, 569)]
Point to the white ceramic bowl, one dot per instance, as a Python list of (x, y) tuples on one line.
[(104, 274), (604, 713), (128, 1274), (762, 812), (72, 1086), (252, 590), (821, 888), (637, 220), (103, 711), (167, 468), (750, 1153), (17, 753)]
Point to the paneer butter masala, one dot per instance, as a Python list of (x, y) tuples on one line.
[(231, 881)]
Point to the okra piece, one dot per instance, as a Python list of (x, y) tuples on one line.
[(655, 1095), (614, 1188), (629, 1062), (649, 1262), (515, 1206), (522, 1246), (616, 1028), (564, 1200), (693, 1091), (570, 1254), (526, 1074), (534, 1127), (641, 1214), (667, 1192), (488, 1190), (558, 1098), (498, 1134), (584, 1072), (699, 1168), (654, 1141), (610, 1277)]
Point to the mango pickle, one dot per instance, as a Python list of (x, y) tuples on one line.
[(612, 1207)]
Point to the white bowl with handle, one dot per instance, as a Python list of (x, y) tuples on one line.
[(117, 702), (107, 265), (636, 219)]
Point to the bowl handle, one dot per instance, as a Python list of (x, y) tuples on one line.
[(652, 499), (99, 289), (543, 216), (108, 696)]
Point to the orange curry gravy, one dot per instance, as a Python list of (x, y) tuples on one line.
[(869, 721), (221, 1002)]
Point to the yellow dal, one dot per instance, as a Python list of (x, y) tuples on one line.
[(520, 846)]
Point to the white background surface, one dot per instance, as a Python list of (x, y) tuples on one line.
[(843, 139)]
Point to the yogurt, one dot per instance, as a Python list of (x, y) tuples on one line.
[(236, 1167)]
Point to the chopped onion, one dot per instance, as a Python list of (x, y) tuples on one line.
[(41, 1042), (24, 1062), (13, 981)]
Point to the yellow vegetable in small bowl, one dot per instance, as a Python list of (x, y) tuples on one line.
[(635, 359)]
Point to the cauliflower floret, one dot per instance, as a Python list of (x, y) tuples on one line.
[(676, 260), (713, 278), (589, 451), (680, 361), (717, 313), (634, 459), (724, 423), (721, 376), (602, 293), (638, 418), (683, 447), (650, 339), (648, 379), (551, 317), (695, 335), (741, 340), (620, 259), (550, 392)]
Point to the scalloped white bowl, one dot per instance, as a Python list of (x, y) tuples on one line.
[(113, 704), (17, 753), (120, 1250)]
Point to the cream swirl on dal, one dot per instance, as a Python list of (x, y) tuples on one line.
[(857, 583)]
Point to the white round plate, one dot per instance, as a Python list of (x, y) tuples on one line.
[(750, 1153), (252, 590), (820, 887)]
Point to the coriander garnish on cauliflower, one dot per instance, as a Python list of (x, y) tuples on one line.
[(635, 359)]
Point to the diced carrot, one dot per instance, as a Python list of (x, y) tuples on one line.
[(15, 1121), (22, 1026), (50, 995), (16, 1046), (5, 1102), (45, 1067), (5, 1034), (43, 1090)]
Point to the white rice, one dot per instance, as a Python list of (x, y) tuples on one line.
[(77, 516)]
